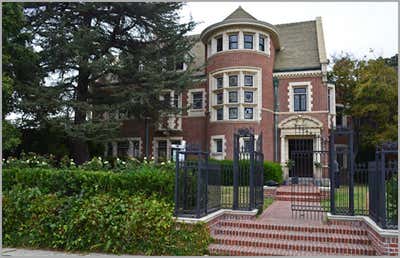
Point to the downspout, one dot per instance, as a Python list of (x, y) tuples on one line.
[(276, 110)]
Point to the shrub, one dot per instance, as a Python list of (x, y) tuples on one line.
[(100, 223), (272, 170), (147, 179)]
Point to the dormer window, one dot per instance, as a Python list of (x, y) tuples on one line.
[(248, 41), (219, 43), (179, 66), (233, 41)]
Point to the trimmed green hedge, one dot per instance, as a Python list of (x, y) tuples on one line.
[(147, 180), (272, 170), (100, 223)]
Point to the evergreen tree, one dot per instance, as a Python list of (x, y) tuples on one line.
[(106, 58)]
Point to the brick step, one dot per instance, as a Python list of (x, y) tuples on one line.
[(217, 249), (293, 235), (299, 198), (298, 193), (331, 248), (335, 229)]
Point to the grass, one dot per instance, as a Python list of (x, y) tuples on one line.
[(342, 199), (267, 202)]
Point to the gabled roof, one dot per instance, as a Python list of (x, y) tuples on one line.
[(299, 49), (240, 13)]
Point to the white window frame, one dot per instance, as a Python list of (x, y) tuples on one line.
[(130, 141), (168, 139), (172, 118), (213, 147), (196, 112), (256, 89), (309, 102)]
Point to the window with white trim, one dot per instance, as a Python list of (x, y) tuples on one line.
[(235, 94), (300, 99), (219, 43), (197, 100), (248, 41), (217, 147), (234, 41)]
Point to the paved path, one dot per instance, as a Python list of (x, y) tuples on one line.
[(44, 253)]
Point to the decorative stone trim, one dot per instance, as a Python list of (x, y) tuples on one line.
[(292, 85), (298, 74), (196, 112), (215, 215), (384, 241)]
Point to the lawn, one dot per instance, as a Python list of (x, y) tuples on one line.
[(342, 199)]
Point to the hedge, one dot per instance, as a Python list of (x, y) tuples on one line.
[(272, 170), (100, 223), (147, 180)]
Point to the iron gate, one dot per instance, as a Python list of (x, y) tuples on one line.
[(308, 167), (203, 185)]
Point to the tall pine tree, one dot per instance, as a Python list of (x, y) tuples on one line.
[(106, 58)]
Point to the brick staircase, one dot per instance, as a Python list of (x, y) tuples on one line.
[(254, 237), (311, 194)]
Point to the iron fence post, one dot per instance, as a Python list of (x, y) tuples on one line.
[(206, 183), (235, 171), (198, 186), (252, 203), (382, 190), (176, 195), (331, 170), (351, 181)]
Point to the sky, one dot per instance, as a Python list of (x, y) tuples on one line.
[(354, 27)]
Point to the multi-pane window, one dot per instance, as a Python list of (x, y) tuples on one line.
[(248, 97), (339, 116), (110, 149), (179, 66), (300, 99), (233, 97), (136, 150), (248, 80), (246, 144), (233, 80), (261, 43), (218, 145), (220, 98), (197, 98), (162, 150), (219, 44), (220, 114), (176, 100), (233, 41), (220, 82), (248, 41), (167, 99), (122, 148), (233, 113), (248, 113)]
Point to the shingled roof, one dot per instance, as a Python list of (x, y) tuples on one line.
[(299, 47), (240, 13)]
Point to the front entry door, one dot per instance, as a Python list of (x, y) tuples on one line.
[(301, 156)]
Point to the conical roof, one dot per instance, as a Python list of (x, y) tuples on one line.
[(240, 13)]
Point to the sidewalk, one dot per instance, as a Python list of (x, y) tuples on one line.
[(44, 253)]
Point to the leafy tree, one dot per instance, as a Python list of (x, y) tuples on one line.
[(375, 102), (20, 68), (105, 58), (368, 90)]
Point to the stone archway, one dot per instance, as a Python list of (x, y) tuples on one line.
[(299, 127)]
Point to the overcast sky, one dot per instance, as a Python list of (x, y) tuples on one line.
[(348, 27)]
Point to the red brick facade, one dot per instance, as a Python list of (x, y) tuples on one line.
[(200, 129)]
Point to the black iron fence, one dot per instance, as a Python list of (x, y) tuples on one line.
[(203, 186), (368, 189)]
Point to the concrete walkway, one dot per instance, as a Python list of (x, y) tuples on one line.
[(44, 253)]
